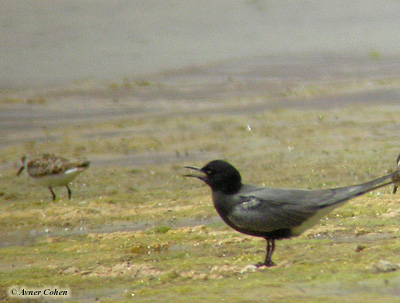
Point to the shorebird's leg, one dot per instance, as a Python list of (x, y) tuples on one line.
[(69, 192), (52, 192)]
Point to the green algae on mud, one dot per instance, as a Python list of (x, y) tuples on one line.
[(147, 233)]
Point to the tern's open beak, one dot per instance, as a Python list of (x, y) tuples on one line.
[(200, 174), (396, 176), (20, 170)]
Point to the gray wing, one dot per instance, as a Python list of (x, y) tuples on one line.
[(270, 209)]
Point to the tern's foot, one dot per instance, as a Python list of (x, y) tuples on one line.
[(266, 264)]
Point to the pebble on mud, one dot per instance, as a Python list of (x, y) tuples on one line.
[(385, 266), (249, 268)]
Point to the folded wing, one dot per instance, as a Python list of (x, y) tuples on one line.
[(270, 209)]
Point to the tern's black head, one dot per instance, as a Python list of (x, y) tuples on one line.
[(220, 176)]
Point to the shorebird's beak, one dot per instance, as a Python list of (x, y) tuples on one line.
[(20, 170), (201, 175)]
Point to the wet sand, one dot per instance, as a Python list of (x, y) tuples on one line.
[(246, 86)]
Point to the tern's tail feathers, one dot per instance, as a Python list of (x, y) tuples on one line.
[(346, 193)]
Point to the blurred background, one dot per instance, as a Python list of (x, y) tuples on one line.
[(52, 42)]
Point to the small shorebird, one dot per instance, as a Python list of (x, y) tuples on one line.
[(51, 171), (396, 180)]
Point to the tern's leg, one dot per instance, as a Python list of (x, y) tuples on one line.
[(270, 250), (69, 192), (394, 189), (52, 192)]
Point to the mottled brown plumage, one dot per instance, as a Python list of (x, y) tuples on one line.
[(51, 170)]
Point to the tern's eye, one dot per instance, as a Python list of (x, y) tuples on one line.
[(209, 171)]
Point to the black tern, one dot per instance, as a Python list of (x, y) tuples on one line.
[(397, 181), (273, 213), (51, 170)]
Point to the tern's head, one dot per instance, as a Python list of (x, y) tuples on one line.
[(219, 175)]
